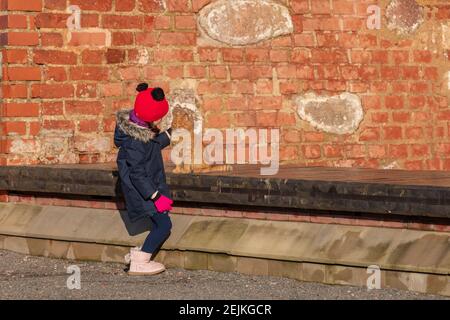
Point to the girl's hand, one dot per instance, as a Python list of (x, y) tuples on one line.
[(162, 203)]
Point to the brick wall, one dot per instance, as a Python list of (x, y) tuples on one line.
[(61, 88)]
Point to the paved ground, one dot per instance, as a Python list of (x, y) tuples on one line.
[(28, 277)]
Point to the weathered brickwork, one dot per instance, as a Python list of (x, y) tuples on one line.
[(62, 82)]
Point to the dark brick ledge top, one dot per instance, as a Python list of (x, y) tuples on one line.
[(413, 193)]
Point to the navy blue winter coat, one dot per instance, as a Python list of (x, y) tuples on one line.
[(140, 165)]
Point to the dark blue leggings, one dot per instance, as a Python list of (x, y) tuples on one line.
[(160, 231)]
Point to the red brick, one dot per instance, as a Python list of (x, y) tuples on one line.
[(218, 120), (212, 104), (14, 128), (115, 56), (125, 5), (320, 6), (122, 22), (196, 72), (92, 56), (55, 4), (163, 22), (353, 24), (58, 125), (55, 74), (416, 102), (392, 133), (279, 55), (443, 13), (401, 116), (420, 150), (54, 57), (218, 72), (129, 73), (23, 38), (14, 91), (82, 38), (431, 73), (173, 55), (94, 5), (86, 90), (232, 55), (423, 56), (177, 38), (20, 110), (52, 108), (22, 73), (177, 5), (88, 125), (89, 73), (414, 133), (208, 54), (370, 134), (311, 151), (185, 22), (254, 215), (323, 219), (332, 151), (400, 57), (304, 40), (368, 73), (51, 39), (390, 73), (258, 103), (89, 20), (112, 89), (52, 20), (24, 5), (16, 56), (410, 72), (84, 107), (15, 21), (376, 151), (343, 7), (125, 38), (52, 91), (174, 72), (214, 87), (394, 102)]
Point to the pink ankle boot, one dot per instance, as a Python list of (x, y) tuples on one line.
[(141, 265)]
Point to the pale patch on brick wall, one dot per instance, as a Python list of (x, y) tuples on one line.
[(183, 111), (446, 36), (56, 150), (244, 22), (391, 165), (143, 56), (92, 144), (20, 146), (404, 16), (448, 80), (337, 114)]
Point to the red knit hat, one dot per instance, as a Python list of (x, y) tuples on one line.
[(150, 104)]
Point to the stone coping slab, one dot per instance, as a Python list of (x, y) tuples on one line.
[(390, 192), (357, 246)]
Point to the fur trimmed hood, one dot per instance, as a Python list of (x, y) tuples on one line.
[(132, 129)]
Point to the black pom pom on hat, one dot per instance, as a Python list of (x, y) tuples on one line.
[(158, 94), (142, 87)]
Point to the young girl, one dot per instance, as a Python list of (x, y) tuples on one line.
[(142, 175)]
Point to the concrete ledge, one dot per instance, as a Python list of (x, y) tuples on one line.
[(387, 192), (225, 244)]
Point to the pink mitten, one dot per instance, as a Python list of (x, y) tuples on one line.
[(162, 203)]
